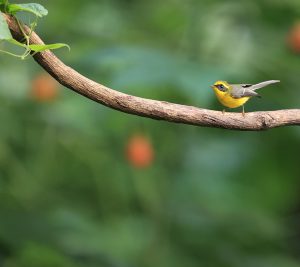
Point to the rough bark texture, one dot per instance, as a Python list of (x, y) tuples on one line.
[(154, 109)]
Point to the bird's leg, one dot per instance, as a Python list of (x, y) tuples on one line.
[(243, 112), (223, 111)]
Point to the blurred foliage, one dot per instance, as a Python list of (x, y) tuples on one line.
[(70, 194)]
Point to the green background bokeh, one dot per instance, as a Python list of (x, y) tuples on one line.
[(214, 198)]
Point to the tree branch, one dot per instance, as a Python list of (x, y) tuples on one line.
[(154, 109)]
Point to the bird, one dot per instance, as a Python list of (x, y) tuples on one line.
[(236, 95)]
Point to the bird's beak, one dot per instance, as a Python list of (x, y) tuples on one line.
[(212, 86)]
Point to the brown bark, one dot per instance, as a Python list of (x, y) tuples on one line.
[(154, 109)]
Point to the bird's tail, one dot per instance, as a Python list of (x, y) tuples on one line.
[(263, 84)]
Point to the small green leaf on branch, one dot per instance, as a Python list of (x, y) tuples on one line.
[(40, 48), (33, 8), (4, 30)]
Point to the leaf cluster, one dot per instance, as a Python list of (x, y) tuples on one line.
[(38, 11)]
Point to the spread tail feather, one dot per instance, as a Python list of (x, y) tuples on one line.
[(263, 84)]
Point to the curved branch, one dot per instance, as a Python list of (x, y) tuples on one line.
[(154, 109)]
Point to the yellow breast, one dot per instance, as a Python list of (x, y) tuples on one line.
[(228, 101)]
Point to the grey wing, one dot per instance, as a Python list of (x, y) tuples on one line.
[(242, 90)]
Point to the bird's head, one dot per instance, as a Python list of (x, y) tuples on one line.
[(221, 86)]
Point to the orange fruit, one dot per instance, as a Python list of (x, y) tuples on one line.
[(44, 88), (139, 151), (294, 38)]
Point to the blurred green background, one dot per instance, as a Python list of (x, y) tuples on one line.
[(84, 185)]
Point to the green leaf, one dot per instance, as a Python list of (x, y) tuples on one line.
[(40, 48), (34, 8), (15, 42), (4, 30)]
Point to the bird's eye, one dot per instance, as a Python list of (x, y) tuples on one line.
[(220, 87)]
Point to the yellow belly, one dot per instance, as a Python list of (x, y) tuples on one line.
[(228, 101)]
